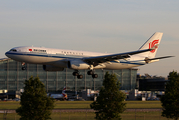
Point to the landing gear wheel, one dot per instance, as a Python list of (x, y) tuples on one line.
[(95, 75), (90, 72), (75, 73), (80, 76), (23, 68)]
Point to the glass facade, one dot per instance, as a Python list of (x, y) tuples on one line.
[(12, 77)]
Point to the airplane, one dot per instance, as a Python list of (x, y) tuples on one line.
[(58, 59), (62, 96)]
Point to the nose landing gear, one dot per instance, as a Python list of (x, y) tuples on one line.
[(23, 66)]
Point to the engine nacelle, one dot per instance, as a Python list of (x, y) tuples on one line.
[(52, 68), (79, 65)]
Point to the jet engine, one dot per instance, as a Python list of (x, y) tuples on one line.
[(52, 68), (79, 65)]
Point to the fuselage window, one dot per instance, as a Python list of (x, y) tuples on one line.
[(64, 52)]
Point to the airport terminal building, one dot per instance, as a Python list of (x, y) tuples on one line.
[(12, 77)]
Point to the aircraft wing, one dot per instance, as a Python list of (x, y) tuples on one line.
[(112, 57)]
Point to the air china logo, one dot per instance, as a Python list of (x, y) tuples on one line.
[(37, 50), (151, 44)]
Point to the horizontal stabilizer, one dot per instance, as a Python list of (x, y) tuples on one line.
[(147, 60), (161, 57)]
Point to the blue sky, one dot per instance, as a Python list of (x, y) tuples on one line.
[(113, 26)]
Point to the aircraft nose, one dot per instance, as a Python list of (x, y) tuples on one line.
[(7, 54)]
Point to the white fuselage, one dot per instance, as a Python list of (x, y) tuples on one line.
[(59, 57)]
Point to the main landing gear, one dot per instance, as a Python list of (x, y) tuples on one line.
[(76, 73), (91, 72)]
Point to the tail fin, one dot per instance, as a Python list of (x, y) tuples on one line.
[(63, 92), (151, 42)]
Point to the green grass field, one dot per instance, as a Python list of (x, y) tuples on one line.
[(84, 104), (90, 116)]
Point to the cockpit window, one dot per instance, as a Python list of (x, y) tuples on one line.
[(14, 50)]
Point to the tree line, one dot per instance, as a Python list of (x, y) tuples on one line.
[(36, 105)]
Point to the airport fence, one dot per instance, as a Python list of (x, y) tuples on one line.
[(127, 115)]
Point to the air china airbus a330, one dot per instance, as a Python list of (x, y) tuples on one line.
[(58, 59)]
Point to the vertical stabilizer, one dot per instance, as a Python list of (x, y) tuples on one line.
[(151, 42), (63, 92)]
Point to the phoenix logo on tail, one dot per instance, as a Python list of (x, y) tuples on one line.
[(151, 44)]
